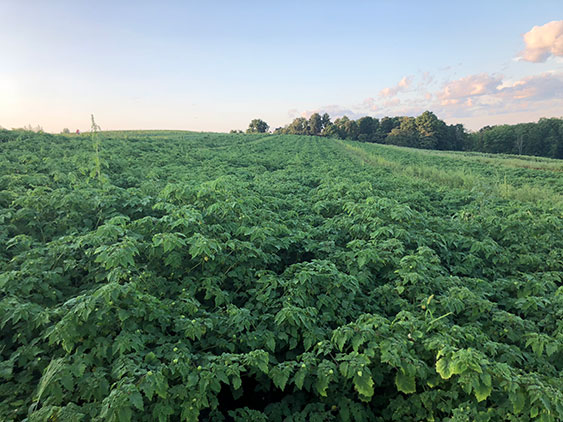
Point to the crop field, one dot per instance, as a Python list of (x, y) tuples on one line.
[(178, 276)]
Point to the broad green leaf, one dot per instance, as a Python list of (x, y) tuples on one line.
[(405, 382), (299, 377), (236, 382), (280, 375), (518, 400), (321, 385), (363, 383), (136, 400), (67, 380), (444, 368), (482, 391), (124, 414)]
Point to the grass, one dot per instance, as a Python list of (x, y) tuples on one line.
[(462, 178)]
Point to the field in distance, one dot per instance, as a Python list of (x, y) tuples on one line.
[(244, 277)]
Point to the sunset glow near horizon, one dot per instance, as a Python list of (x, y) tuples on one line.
[(216, 66)]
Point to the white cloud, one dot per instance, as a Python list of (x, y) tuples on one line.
[(478, 97), (460, 90), (370, 104), (392, 102), (543, 41), (533, 90), (532, 93), (402, 85)]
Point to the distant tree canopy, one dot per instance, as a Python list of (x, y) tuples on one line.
[(314, 126), (257, 126), (544, 138), (424, 131)]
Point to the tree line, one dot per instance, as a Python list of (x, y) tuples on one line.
[(544, 138)]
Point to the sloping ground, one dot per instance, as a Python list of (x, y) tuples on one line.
[(524, 178), (226, 277)]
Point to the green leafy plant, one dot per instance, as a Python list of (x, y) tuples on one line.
[(236, 277)]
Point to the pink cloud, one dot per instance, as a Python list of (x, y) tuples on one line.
[(543, 41), (483, 94), (470, 86), (535, 88), (402, 85), (532, 93), (392, 103), (370, 103)]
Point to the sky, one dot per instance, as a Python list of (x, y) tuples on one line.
[(215, 65)]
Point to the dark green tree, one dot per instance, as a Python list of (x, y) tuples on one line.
[(331, 131), (315, 124), (325, 120), (405, 135), (456, 138), (386, 125), (257, 126), (298, 127), (431, 131), (347, 128), (367, 128)]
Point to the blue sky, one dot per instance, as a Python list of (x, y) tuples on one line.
[(216, 65)]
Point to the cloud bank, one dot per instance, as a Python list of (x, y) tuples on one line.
[(493, 95), (480, 96), (475, 95)]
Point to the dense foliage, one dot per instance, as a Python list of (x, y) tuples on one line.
[(184, 276), (425, 131), (544, 138), (258, 126)]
